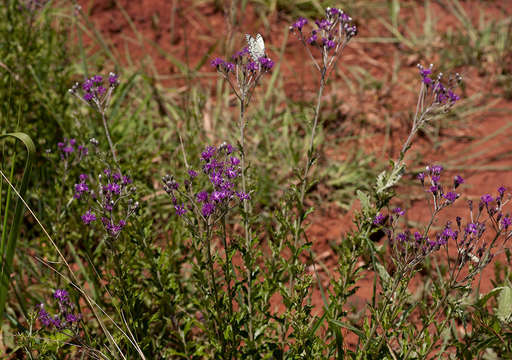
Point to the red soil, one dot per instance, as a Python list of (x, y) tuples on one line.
[(187, 31)]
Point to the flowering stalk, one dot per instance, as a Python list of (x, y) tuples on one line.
[(243, 75), (330, 37), (203, 209), (434, 97), (98, 97)]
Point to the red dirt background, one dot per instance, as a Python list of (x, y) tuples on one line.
[(187, 31)]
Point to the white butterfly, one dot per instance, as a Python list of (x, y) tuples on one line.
[(256, 46)]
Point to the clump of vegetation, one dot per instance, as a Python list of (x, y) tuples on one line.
[(217, 262)]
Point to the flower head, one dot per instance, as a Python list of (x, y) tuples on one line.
[(457, 180), (486, 199), (88, 217), (379, 219)]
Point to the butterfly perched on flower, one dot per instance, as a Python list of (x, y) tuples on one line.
[(256, 46)]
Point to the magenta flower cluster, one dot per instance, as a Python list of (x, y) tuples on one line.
[(443, 94), (430, 179), (69, 150), (65, 318), (409, 248), (331, 32), (94, 91), (112, 189), (243, 62), (222, 170)]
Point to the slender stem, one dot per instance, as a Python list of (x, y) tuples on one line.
[(246, 204), (309, 163), (227, 267), (216, 318), (109, 139), (374, 324)]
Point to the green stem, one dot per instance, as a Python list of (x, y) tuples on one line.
[(109, 139), (248, 241)]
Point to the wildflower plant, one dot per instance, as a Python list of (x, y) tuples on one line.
[(111, 198), (97, 94), (66, 318), (206, 283)]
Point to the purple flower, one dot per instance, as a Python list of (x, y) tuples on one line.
[(506, 222), (83, 177), (80, 188), (451, 196), (243, 196), (329, 44), (457, 180), (229, 66), (398, 211), (501, 190), (127, 180), (231, 173), (217, 62), (402, 237), (208, 153), (180, 209), (425, 72), (207, 209), (241, 53), (113, 188), (88, 217), (202, 196), (252, 66), (312, 39), (333, 11), (43, 316), (379, 219), (234, 161), (83, 150), (113, 79), (97, 79), (116, 176), (216, 178), (68, 149), (421, 177), (101, 90), (61, 295), (448, 232), (88, 96), (299, 24), (323, 24), (435, 179), (218, 196), (71, 318), (471, 229), (227, 147), (435, 169), (433, 189), (486, 199), (192, 173), (266, 63), (87, 85)]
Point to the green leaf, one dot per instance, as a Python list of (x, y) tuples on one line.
[(364, 199), (7, 250), (383, 274), (504, 310)]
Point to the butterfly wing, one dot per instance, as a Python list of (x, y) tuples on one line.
[(260, 46), (256, 46)]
